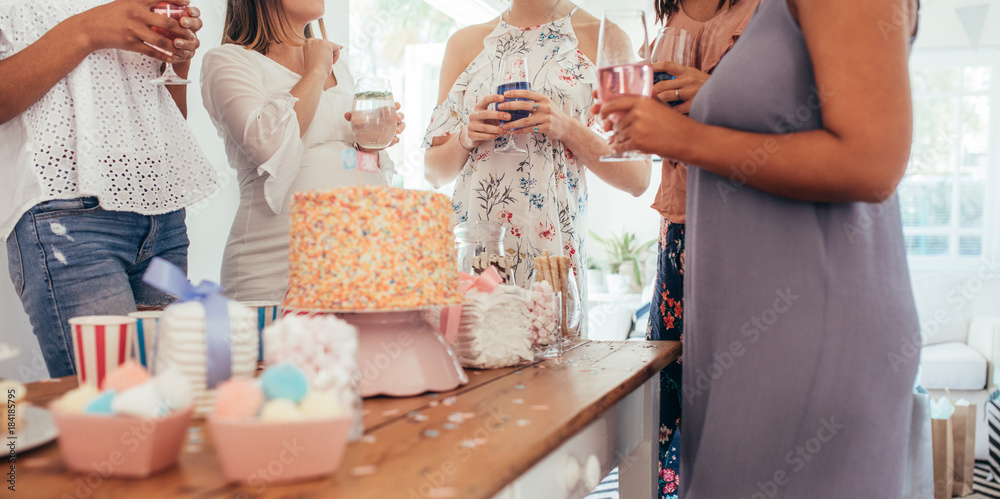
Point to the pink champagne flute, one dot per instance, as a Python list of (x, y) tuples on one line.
[(169, 77), (623, 64)]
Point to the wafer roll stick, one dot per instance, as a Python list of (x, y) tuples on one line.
[(562, 273)]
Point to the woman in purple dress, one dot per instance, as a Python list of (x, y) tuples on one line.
[(797, 292)]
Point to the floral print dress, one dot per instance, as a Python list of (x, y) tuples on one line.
[(540, 195)]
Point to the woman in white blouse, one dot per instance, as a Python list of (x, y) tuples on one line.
[(278, 99), (99, 164)]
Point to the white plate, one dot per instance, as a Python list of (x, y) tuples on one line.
[(39, 428)]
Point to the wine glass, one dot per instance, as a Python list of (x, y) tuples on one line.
[(373, 115), (513, 76), (674, 45), (169, 77), (623, 68)]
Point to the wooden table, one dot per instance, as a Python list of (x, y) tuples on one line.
[(508, 433)]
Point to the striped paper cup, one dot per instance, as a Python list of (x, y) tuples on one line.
[(147, 325), (101, 343), (267, 313)]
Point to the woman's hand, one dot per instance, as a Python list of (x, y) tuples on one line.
[(400, 126), (544, 118), (125, 24), (484, 123), (686, 84), (320, 56), (186, 44), (641, 125)]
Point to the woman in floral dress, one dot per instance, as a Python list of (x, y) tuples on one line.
[(539, 195)]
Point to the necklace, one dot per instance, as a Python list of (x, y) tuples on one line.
[(547, 17)]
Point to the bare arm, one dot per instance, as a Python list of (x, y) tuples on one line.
[(861, 152), (448, 154), (320, 56), (123, 24)]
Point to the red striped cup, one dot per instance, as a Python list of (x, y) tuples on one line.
[(101, 343)]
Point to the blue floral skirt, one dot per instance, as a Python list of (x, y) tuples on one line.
[(666, 320)]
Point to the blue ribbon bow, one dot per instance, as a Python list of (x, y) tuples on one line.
[(166, 277)]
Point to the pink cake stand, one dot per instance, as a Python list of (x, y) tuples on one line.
[(399, 354)]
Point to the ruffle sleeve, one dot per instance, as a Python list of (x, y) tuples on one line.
[(264, 126)]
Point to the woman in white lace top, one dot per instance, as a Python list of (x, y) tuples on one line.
[(278, 99), (99, 163)]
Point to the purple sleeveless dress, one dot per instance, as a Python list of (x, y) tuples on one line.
[(798, 364)]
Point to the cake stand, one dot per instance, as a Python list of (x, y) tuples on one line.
[(399, 354)]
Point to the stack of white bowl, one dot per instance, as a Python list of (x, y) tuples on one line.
[(182, 343)]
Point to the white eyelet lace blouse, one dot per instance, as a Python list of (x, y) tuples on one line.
[(102, 131)]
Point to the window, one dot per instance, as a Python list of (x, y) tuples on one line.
[(948, 197), (404, 40)]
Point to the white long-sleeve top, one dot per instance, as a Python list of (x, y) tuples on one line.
[(102, 131), (247, 96)]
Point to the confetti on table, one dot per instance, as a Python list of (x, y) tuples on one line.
[(441, 493), (420, 418), (523, 422), (519, 387), (368, 439), (449, 401), (517, 372), (363, 470), (469, 444), (195, 439), (431, 434), (434, 403), (433, 394), (517, 401), (456, 417), (481, 440), (450, 426), (539, 407), (390, 412)]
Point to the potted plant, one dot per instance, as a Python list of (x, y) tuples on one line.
[(624, 260)]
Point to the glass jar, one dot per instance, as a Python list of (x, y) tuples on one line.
[(479, 245)]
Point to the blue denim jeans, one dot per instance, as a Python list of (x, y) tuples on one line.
[(70, 258)]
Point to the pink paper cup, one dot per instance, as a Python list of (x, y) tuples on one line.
[(147, 326), (101, 343), (256, 453)]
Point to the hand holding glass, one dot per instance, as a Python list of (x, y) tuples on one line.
[(621, 69), (513, 76), (373, 115), (169, 77), (673, 45)]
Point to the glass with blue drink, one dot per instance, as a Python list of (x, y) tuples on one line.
[(674, 45), (513, 76)]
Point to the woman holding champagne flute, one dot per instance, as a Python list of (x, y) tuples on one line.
[(282, 102), (795, 314), (536, 187), (99, 163)]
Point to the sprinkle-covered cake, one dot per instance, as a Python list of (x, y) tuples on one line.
[(371, 248)]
